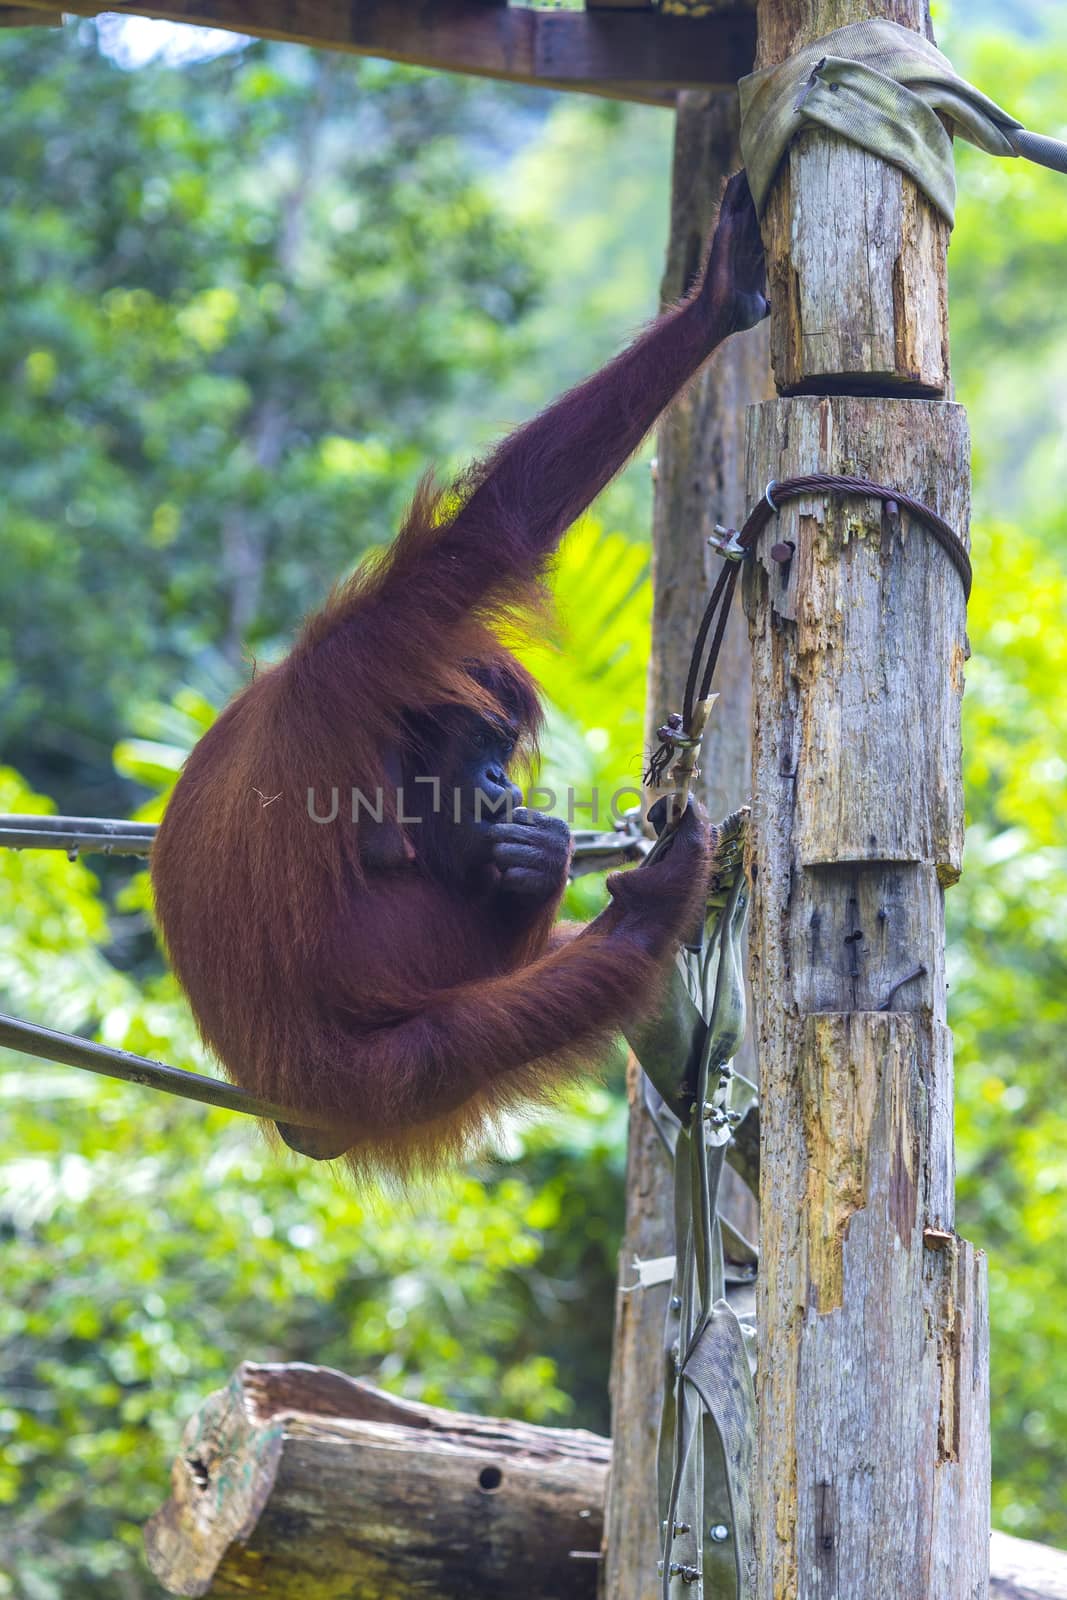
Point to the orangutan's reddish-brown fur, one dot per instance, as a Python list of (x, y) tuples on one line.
[(330, 980)]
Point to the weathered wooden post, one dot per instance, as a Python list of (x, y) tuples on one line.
[(873, 1476), (699, 482)]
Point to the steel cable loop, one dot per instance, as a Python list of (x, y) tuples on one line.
[(722, 583), (828, 483), (698, 684)]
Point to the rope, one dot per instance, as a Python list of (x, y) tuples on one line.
[(735, 547)]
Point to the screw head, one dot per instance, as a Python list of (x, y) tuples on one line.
[(718, 1533)]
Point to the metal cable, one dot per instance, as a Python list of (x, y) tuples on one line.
[(698, 683)]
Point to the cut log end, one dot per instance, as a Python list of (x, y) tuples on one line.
[(296, 1479)]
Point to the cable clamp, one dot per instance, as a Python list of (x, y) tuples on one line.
[(726, 543)]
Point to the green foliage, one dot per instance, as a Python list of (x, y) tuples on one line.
[(150, 1244), (235, 320), (1008, 974), (1009, 334), (1008, 927), (153, 1296)]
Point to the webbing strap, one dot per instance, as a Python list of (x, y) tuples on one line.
[(885, 88)]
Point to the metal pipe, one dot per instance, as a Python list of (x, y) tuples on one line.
[(76, 834), (593, 851), (69, 1050)]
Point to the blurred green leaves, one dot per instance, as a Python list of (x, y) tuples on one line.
[(1008, 915), (242, 302)]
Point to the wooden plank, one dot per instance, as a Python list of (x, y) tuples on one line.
[(29, 17), (634, 54), (1022, 1570)]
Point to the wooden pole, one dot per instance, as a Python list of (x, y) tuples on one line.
[(858, 277), (873, 1475), (699, 482)]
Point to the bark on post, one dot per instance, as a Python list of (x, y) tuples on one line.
[(700, 481), (872, 1386)]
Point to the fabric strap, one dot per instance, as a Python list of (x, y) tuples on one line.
[(885, 88)]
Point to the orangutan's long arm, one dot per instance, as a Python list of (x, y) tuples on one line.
[(541, 478)]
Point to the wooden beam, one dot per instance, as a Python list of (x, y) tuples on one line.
[(629, 54), (29, 17)]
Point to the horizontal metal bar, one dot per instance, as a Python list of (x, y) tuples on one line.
[(69, 1050), (76, 835), (592, 852)]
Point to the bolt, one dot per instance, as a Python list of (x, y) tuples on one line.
[(783, 552), (718, 1533), (676, 1302)]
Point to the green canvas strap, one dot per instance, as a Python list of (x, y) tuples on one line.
[(707, 1427), (884, 88)]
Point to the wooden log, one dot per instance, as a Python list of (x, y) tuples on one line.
[(699, 482), (628, 54), (1022, 1570), (297, 1480), (857, 254)]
